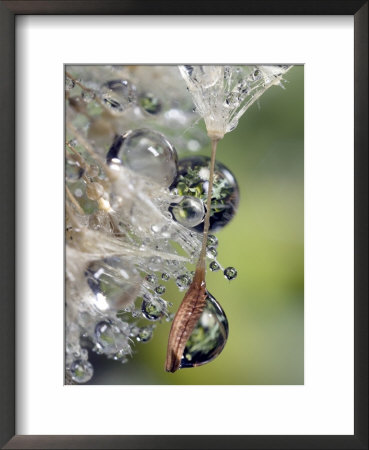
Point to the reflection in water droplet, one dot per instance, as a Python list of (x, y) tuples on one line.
[(150, 154), (183, 281), (150, 103), (214, 266), (212, 241), (208, 337), (160, 289), (211, 252), (105, 336), (144, 334), (193, 180), (153, 308), (189, 212), (118, 95), (230, 273), (81, 371)]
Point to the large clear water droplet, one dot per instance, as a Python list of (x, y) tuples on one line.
[(189, 212), (118, 95), (115, 283), (208, 337), (193, 180), (149, 153)]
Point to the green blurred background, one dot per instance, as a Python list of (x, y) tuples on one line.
[(265, 242)]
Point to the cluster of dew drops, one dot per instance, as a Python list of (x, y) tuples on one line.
[(119, 114)]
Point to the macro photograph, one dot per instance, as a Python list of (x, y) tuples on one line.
[(184, 224)]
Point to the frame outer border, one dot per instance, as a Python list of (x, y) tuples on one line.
[(8, 11)]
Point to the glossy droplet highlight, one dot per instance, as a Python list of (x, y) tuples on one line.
[(208, 337), (189, 212), (150, 154), (214, 266)]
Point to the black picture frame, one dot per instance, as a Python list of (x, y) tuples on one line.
[(8, 11)]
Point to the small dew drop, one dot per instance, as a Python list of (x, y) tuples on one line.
[(212, 241), (165, 276), (183, 281), (160, 289), (214, 266), (189, 212), (81, 371), (144, 334), (153, 309), (230, 273), (211, 252)]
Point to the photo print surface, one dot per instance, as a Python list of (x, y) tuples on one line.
[(184, 224)]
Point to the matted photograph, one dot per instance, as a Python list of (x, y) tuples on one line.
[(184, 224)]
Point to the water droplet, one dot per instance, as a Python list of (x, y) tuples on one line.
[(230, 273), (118, 95), (150, 278), (192, 180), (165, 276), (189, 212), (153, 309), (105, 337), (150, 154), (256, 75), (134, 331), (144, 334), (232, 100), (214, 266), (81, 371), (183, 281), (208, 337), (114, 281), (212, 241), (160, 289), (150, 103), (211, 252), (69, 84)]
